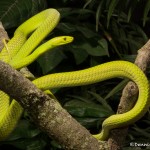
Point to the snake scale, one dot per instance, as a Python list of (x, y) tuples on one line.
[(23, 49)]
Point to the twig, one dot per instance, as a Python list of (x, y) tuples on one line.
[(3, 35)]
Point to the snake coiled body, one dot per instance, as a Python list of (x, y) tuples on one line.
[(26, 51)]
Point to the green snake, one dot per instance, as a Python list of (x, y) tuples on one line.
[(23, 49)]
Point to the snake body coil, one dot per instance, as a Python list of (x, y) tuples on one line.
[(22, 51)]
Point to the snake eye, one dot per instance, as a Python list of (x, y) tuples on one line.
[(65, 38)]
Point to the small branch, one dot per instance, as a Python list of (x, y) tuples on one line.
[(3, 35), (129, 97)]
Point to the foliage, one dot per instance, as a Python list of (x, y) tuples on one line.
[(13, 13), (104, 30)]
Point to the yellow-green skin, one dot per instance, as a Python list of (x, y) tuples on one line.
[(20, 55)]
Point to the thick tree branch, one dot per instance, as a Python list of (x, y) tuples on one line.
[(129, 97), (46, 112)]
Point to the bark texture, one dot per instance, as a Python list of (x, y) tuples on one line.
[(46, 112)]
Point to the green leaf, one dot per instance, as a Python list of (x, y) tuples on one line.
[(89, 122), (129, 14), (122, 35), (134, 44), (146, 10), (111, 9), (101, 100), (141, 33), (131, 5), (51, 59), (26, 137), (116, 88), (67, 12), (141, 132), (104, 45), (66, 27), (98, 13), (14, 12), (55, 144), (24, 130), (29, 144), (86, 31), (81, 109), (130, 58), (87, 3), (94, 51), (69, 28), (99, 49), (79, 54)]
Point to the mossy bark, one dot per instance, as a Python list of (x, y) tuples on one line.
[(46, 112)]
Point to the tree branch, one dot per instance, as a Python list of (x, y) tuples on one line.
[(46, 112), (129, 97)]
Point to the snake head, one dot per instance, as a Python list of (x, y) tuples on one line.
[(61, 40)]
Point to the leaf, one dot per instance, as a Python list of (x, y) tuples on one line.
[(136, 44), (66, 27), (67, 12), (89, 122), (93, 51), (29, 144), (142, 33), (99, 49), (86, 31), (14, 12), (104, 45), (116, 88), (141, 132), (146, 10), (98, 13), (24, 130), (129, 14), (81, 109), (122, 35), (132, 5), (130, 58), (51, 59), (87, 3), (101, 100), (111, 8), (79, 54)]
